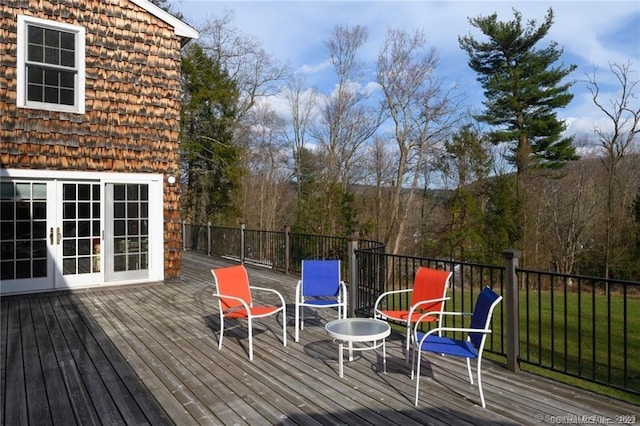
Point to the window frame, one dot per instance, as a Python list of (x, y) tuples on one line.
[(79, 93)]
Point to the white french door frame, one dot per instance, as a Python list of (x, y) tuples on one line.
[(98, 275)]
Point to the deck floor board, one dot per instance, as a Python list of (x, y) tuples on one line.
[(148, 354)]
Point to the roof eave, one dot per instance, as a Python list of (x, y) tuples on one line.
[(180, 28)]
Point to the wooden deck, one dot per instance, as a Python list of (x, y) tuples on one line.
[(148, 355)]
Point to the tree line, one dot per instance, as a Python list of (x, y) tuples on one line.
[(354, 158)]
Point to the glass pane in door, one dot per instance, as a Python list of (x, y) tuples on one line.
[(130, 227), (23, 230)]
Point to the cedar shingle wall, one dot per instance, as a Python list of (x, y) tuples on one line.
[(131, 120)]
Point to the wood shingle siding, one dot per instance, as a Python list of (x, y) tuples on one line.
[(132, 101)]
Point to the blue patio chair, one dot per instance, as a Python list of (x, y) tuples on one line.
[(320, 287), (435, 340)]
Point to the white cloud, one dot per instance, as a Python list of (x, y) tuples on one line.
[(314, 68)]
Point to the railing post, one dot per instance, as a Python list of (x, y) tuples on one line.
[(208, 238), (353, 273), (287, 250), (242, 227), (184, 235), (511, 258)]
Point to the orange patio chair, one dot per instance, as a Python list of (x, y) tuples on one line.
[(236, 301), (427, 295)]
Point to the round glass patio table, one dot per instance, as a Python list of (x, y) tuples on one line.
[(358, 330)]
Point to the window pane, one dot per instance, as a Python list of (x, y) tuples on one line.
[(51, 95), (52, 56), (132, 192), (84, 246), (69, 248), (36, 34), (35, 53), (23, 230), (67, 58), (83, 210), (6, 210), (69, 266), (67, 79), (118, 210), (118, 192), (23, 190), (6, 231), (84, 228), (34, 93), (6, 271), (39, 191), (39, 230), (69, 192), (66, 97), (68, 211), (39, 249), (84, 192), (23, 269), (69, 229), (39, 268), (132, 210), (51, 38), (51, 78), (23, 210), (6, 190), (118, 228), (39, 210), (67, 41)]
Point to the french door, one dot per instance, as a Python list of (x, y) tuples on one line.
[(57, 234), (127, 236), (76, 238)]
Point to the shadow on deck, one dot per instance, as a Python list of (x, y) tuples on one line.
[(148, 355)]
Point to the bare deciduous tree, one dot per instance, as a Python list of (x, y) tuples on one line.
[(256, 73), (301, 103), (568, 213), (616, 140), (420, 112)]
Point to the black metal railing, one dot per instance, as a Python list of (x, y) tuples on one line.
[(583, 327)]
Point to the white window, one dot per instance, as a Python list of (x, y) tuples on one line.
[(51, 65)]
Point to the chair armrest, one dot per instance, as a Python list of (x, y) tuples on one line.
[(429, 301), (244, 304), (441, 314), (424, 302), (343, 287), (439, 330), (385, 294)]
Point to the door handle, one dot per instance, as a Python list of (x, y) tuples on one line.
[(51, 235), (58, 235)]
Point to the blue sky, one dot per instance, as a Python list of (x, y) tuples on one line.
[(592, 34)]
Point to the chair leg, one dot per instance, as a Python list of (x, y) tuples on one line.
[(250, 339), (297, 322), (221, 331), (419, 355), (284, 326), (480, 383), (407, 348), (469, 370)]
